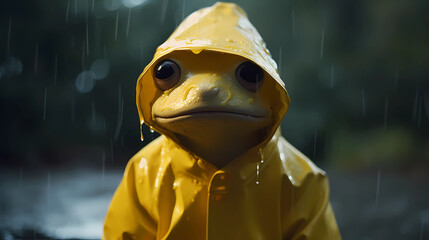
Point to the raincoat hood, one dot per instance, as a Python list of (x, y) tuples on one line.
[(225, 28)]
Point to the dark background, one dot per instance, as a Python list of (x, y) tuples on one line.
[(356, 71)]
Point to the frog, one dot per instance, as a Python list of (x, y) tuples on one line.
[(221, 168)]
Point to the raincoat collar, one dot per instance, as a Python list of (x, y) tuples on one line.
[(242, 169)]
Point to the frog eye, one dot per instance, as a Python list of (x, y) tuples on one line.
[(167, 74), (249, 75)]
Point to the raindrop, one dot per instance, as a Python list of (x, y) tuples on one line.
[(120, 114), (100, 68), (111, 149), (75, 7), (8, 35), (20, 176), (419, 118), (85, 81), (36, 57), (315, 143), (261, 154), (48, 186), (326, 143), (68, 9), (321, 43), (163, 9), (421, 230), (116, 28), (183, 9), (377, 191), (280, 60), (44, 103), (196, 50), (56, 70), (332, 75), (87, 40), (151, 132), (395, 82), (141, 54), (128, 22), (93, 112), (93, 3), (416, 103), (386, 108), (103, 166), (83, 55), (363, 101), (257, 173), (72, 109), (105, 52), (293, 22), (426, 103)]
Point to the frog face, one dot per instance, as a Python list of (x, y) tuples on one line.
[(213, 102)]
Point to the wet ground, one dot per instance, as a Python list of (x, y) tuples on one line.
[(71, 204)]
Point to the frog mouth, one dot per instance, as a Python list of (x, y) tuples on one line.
[(210, 113)]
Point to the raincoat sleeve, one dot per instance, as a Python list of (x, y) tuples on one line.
[(127, 218), (307, 214)]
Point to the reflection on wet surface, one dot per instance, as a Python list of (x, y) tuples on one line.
[(71, 204)]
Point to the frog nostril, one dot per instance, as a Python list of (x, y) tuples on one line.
[(212, 92), (216, 94)]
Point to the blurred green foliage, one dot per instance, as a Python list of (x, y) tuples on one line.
[(356, 72)]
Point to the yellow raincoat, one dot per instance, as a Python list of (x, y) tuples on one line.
[(271, 191)]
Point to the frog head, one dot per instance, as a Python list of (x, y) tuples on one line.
[(215, 92)]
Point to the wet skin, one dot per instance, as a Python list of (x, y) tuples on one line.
[(211, 112)]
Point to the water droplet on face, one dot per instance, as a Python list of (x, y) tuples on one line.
[(151, 130)]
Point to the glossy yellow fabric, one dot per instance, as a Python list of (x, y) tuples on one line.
[(271, 191)]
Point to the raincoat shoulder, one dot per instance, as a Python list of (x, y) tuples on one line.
[(132, 212), (306, 210)]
